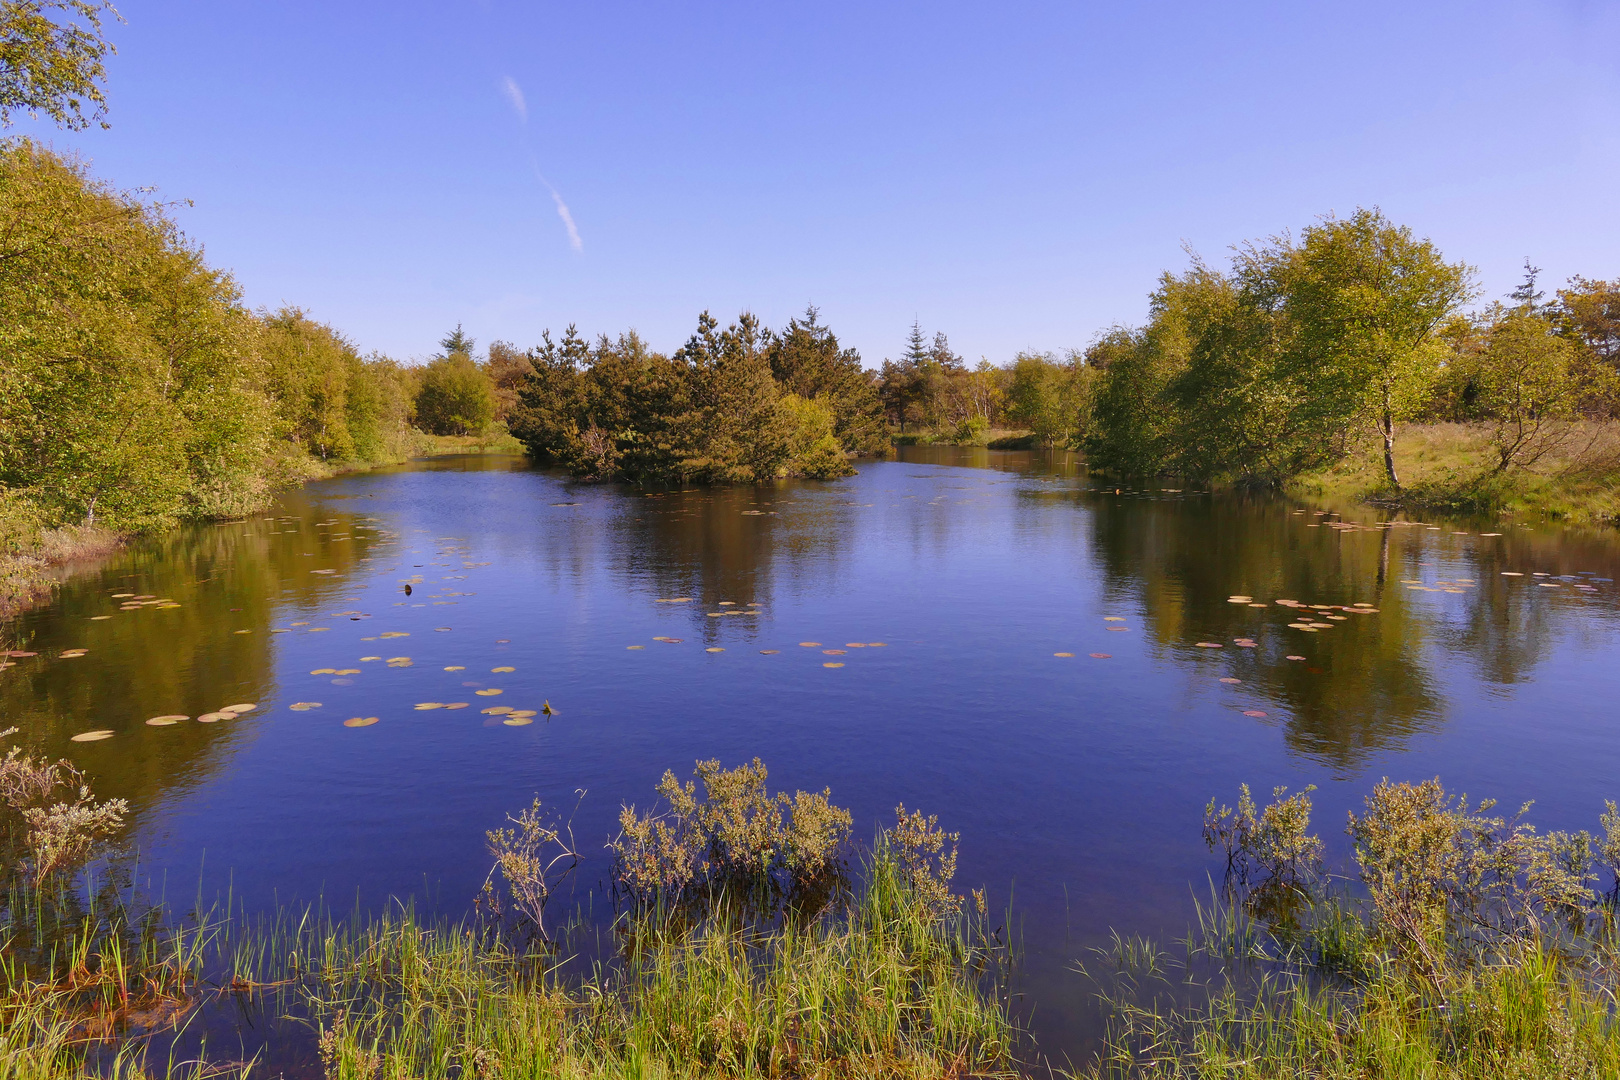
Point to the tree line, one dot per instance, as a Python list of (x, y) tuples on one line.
[(1283, 362)]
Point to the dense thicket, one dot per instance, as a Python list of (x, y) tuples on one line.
[(739, 405), (135, 386)]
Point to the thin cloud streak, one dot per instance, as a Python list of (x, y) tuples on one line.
[(568, 221), (520, 105), (563, 212), (514, 94)]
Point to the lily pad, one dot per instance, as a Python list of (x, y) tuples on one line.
[(215, 717), (832, 665), (518, 721), (93, 736), (245, 707), (1102, 656), (809, 644), (486, 693), (1068, 654), (166, 721), (361, 721), (1256, 713), (769, 652), (324, 671), (498, 669), (456, 705), (714, 649), (423, 706), (496, 710), (304, 706)]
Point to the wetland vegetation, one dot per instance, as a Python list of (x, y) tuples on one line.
[(748, 942)]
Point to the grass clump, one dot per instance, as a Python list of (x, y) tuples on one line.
[(875, 986), (1464, 945)]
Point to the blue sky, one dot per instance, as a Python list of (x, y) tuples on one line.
[(1016, 174)]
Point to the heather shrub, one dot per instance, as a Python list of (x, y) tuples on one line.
[(734, 835)]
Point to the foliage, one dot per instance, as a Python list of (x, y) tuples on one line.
[(52, 817), (1272, 844), (508, 369), (876, 987), (813, 446), (137, 389), (51, 60), (920, 852), (126, 388), (1267, 373), (1363, 300), (807, 361), (1588, 311), (328, 401), (1051, 399), (1136, 421), (533, 859), (932, 389), (738, 405), (736, 835), (455, 397), (1525, 389)]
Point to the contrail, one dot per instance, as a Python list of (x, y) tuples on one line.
[(567, 218), (514, 94)]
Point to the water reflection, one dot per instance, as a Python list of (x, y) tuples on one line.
[(1081, 779)]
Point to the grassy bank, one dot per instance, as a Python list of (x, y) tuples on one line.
[(1452, 467)]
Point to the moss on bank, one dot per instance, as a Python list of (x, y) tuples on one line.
[(1451, 467)]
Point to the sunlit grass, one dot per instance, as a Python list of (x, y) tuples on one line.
[(1448, 466)]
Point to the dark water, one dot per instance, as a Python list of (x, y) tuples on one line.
[(1076, 782)]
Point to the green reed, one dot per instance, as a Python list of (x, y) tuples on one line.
[(879, 982)]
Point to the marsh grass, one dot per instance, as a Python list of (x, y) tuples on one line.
[(886, 975), (878, 986), (1465, 946)]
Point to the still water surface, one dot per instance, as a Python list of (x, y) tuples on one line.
[(1076, 781)]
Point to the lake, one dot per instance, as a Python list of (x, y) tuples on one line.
[(1064, 671)]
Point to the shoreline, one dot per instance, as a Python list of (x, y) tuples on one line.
[(29, 576)]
